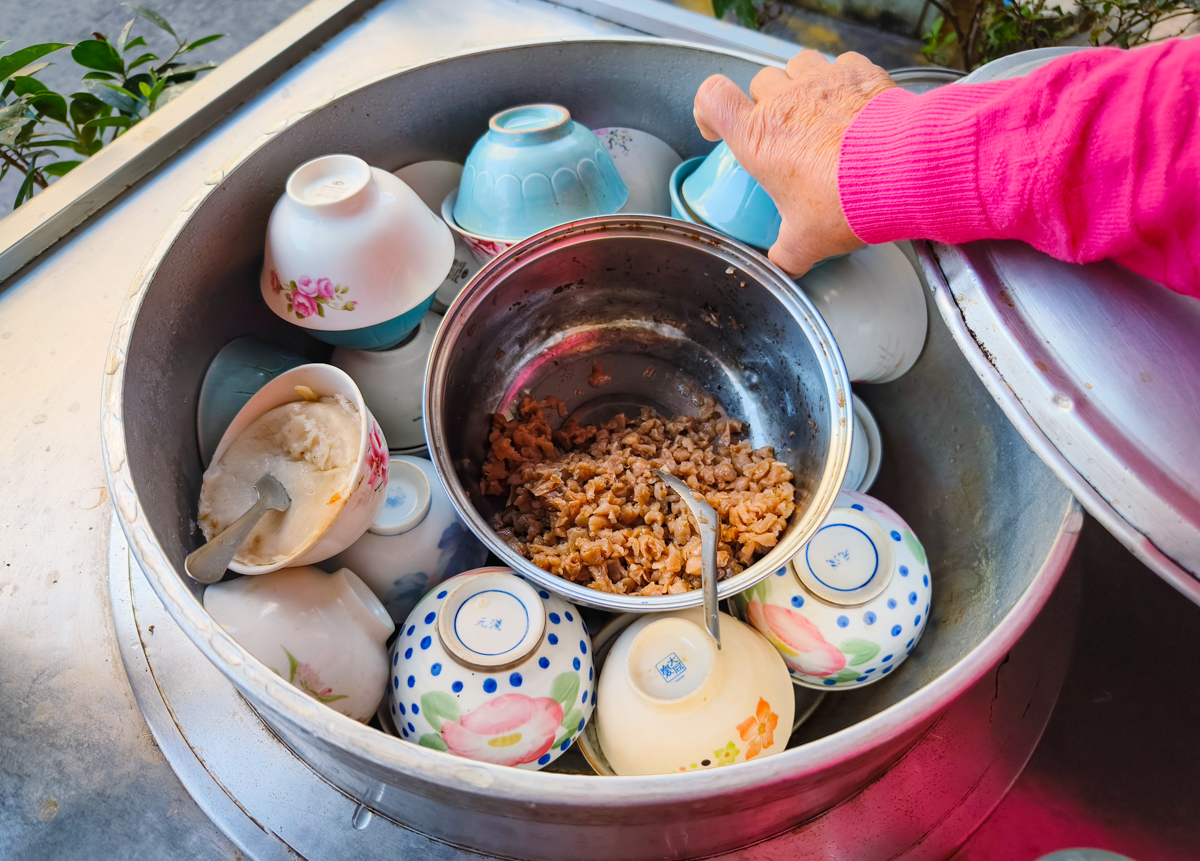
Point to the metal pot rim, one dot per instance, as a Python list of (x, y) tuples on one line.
[(468, 778), (727, 251)]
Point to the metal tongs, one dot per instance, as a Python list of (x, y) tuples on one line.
[(706, 519)]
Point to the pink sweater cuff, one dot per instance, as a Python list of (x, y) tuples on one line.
[(909, 166)]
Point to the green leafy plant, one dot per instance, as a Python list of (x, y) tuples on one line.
[(124, 83), (746, 11), (969, 33)]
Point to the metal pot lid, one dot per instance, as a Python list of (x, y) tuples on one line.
[(1099, 369)]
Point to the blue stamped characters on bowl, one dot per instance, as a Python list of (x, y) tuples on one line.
[(725, 196), (534, 169), (489, 668), (857, 600)]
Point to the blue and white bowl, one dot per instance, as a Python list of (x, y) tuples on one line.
[(534, 169), (853, 604), (416, 541), (492, 668)]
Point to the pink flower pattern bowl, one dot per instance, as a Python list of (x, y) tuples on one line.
[(366, 491), (492, 668), (853, 604)]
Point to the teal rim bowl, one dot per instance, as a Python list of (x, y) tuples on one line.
[(723, 195), (535, 168), (381, 336), (679, 207), (236, 373)]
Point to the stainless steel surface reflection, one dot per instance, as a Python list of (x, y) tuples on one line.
[(673, 313), (996, 524)]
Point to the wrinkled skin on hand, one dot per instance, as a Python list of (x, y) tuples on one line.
[(788, 135)]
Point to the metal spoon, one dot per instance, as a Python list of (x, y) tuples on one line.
[(706, 519), (210, 562)]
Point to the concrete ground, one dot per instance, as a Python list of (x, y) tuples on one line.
[(30, 22)]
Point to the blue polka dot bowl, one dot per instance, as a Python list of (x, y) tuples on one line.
[(852, 604), (492, 668)]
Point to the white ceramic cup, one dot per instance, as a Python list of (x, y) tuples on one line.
[(359, 246), (324, 633), (873, 303), (645, 164), (482, 248), (668, 700), (415, 543), (366, 490), (866, 450), (391, 382)]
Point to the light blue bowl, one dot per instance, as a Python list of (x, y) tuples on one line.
[(679, 207), (381, 336), (535, 168), (726, 197), (237, 372)]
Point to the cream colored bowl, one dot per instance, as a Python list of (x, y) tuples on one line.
[(357, 508), (668, 700)]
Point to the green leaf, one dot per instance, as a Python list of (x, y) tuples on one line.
[(29, 71), (85, 106), (40, 141), (114, 96), (99, 76), (915, 546), (139, 42), (145, 58), (109, 122), (51, 105), (439, 707), (293, 665), (859, 651), (125, 34), (845, 676), (26, 190), (434, 741), (571, 721), (144, 89), (152, 16), (558, 741), (172, 92), (20, 59), (564, 689), (175, 71), (191, 46), (95, 54)]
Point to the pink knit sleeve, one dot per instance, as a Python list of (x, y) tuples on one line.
[(1094, 155)]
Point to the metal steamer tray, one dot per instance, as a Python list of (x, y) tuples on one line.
[(997, 525)]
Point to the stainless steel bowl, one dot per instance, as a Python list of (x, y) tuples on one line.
[(672, 312)]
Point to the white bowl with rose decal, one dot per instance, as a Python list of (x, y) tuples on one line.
[(324, 633), (491, 667), (353, 255), (315, 526)]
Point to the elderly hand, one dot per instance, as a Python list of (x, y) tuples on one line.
[(789, 139)]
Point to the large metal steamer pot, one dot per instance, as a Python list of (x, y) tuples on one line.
[(997, 526)]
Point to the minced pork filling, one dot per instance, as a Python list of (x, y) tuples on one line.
[(582, 502)]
